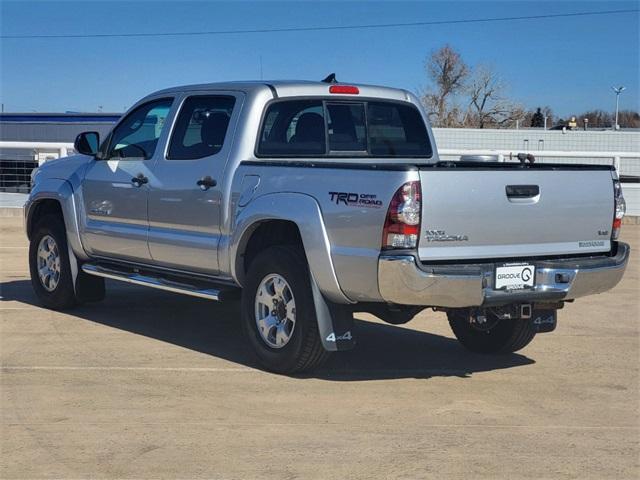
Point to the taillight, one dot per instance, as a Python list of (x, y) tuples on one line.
[(346, 89), (402, 226), (619, 211)]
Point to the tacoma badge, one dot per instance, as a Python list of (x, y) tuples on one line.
[(441, 236)]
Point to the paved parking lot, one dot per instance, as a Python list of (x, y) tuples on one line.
[(153, 385)]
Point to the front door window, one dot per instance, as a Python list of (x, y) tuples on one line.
[(137, 135)]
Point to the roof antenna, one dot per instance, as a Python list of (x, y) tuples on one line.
[(331, 78)]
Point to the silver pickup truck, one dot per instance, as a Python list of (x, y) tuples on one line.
[(308, 201)]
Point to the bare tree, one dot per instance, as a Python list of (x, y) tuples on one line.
[(548, 114), (603, 119), (447, 72), (596, 118), (628, 119), (488, 106)]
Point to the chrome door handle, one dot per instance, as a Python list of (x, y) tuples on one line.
[(205, 183), (139, 180)]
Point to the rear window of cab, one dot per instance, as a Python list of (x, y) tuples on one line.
[(319, 127)]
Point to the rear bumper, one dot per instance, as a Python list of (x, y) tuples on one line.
[(405, 281)]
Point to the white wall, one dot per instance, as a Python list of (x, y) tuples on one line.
[(631, 192), (532, 140)]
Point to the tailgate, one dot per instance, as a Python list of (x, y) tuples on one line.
[(514, 212)]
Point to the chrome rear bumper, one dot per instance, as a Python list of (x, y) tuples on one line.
[(403, 280)]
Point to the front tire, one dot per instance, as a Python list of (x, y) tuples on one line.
[(49, 266), (502, 336), (278, 312)]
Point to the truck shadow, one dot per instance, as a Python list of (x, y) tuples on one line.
[(383, 351)]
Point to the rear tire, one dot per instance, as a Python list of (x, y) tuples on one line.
[(506, 336), (300, 348)]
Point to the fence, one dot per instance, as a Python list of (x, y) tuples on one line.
[(627, 164), (19, 158), (536, 139)]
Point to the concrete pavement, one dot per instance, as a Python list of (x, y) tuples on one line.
[(149, 384)]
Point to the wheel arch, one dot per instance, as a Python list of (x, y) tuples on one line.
[(54, 196), (282, 219), (44, 206), (264, 234)]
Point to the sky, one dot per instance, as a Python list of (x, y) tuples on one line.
[(569, 64)]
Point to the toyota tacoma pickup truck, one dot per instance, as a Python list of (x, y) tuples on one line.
[(309, 201)]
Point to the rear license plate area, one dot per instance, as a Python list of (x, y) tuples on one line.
[(515, 277)]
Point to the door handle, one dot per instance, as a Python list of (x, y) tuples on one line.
[(139, 180), (205, 183), (522, 191)]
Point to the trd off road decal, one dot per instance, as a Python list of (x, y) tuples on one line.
[(368, 200)]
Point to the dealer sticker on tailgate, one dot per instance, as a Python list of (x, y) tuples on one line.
[(514, 277)]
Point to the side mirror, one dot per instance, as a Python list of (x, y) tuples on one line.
[(87, 143)]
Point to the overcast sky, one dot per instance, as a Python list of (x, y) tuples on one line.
[(569, 63)]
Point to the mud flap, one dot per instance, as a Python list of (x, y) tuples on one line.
[(88, 288), (335, 322), (544, 320), (73, 263)]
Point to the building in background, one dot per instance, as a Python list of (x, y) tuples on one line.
[(53, 127), (16, 164)]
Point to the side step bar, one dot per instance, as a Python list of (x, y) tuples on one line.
[(150, 280)]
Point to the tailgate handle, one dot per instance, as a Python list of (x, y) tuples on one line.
[(522, 191)]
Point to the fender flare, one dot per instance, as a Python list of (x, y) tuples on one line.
[(304, 211), (61, 192)]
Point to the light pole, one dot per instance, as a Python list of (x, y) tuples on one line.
[(618, 92)]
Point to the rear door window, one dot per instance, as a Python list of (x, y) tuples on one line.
[(293, 128), (324, 128)]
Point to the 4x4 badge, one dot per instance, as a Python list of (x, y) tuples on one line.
[(333, 338)]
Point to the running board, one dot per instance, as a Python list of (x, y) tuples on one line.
[(149, 279)]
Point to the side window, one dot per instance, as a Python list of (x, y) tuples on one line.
[(137, 135), (201, 127), (396, 130), (346, 127), (293, 128)]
